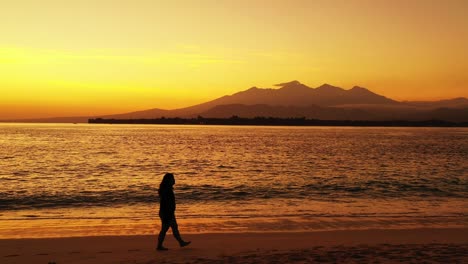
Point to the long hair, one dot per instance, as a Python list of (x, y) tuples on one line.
[(166, 183)]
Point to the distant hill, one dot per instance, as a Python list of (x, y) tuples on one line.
[(311, 112), (339, 113), (459, 102), (294, 99), (289, 94)]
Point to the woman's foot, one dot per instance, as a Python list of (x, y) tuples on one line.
[(161, 248), (185, 243)]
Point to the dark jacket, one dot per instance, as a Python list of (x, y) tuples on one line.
[(167, 204)]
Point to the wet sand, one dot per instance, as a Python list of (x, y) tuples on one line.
[(360, 246)]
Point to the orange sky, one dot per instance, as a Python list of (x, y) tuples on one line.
[(59, 58)]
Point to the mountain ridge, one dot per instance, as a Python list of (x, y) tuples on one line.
[(294, 99), (292, 93)]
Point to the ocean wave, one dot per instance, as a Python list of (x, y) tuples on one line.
[(205, 193)]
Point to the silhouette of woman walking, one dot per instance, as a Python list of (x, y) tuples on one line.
[(167, 206)]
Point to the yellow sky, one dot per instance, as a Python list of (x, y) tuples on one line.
[(62, 58)]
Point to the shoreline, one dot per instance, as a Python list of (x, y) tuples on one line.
[(310, 123), (275, 121), (59, 228), (338, 246)]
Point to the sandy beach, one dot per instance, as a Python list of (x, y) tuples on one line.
[(360, 246)]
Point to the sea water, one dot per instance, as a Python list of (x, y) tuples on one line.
[(83, 179)]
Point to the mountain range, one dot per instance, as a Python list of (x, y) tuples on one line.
[(294, 99)]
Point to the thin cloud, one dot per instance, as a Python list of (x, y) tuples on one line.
[(10, 55)]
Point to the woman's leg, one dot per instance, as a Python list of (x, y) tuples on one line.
[(175, 232), (165, 224)]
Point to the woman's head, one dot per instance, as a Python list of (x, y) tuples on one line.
[(168, 180)]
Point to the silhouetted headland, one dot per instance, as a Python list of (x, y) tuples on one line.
[(274, 121)]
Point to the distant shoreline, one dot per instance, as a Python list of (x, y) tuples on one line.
[(273, 121)]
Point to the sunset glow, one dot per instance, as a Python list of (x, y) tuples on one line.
[(59, 58)]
